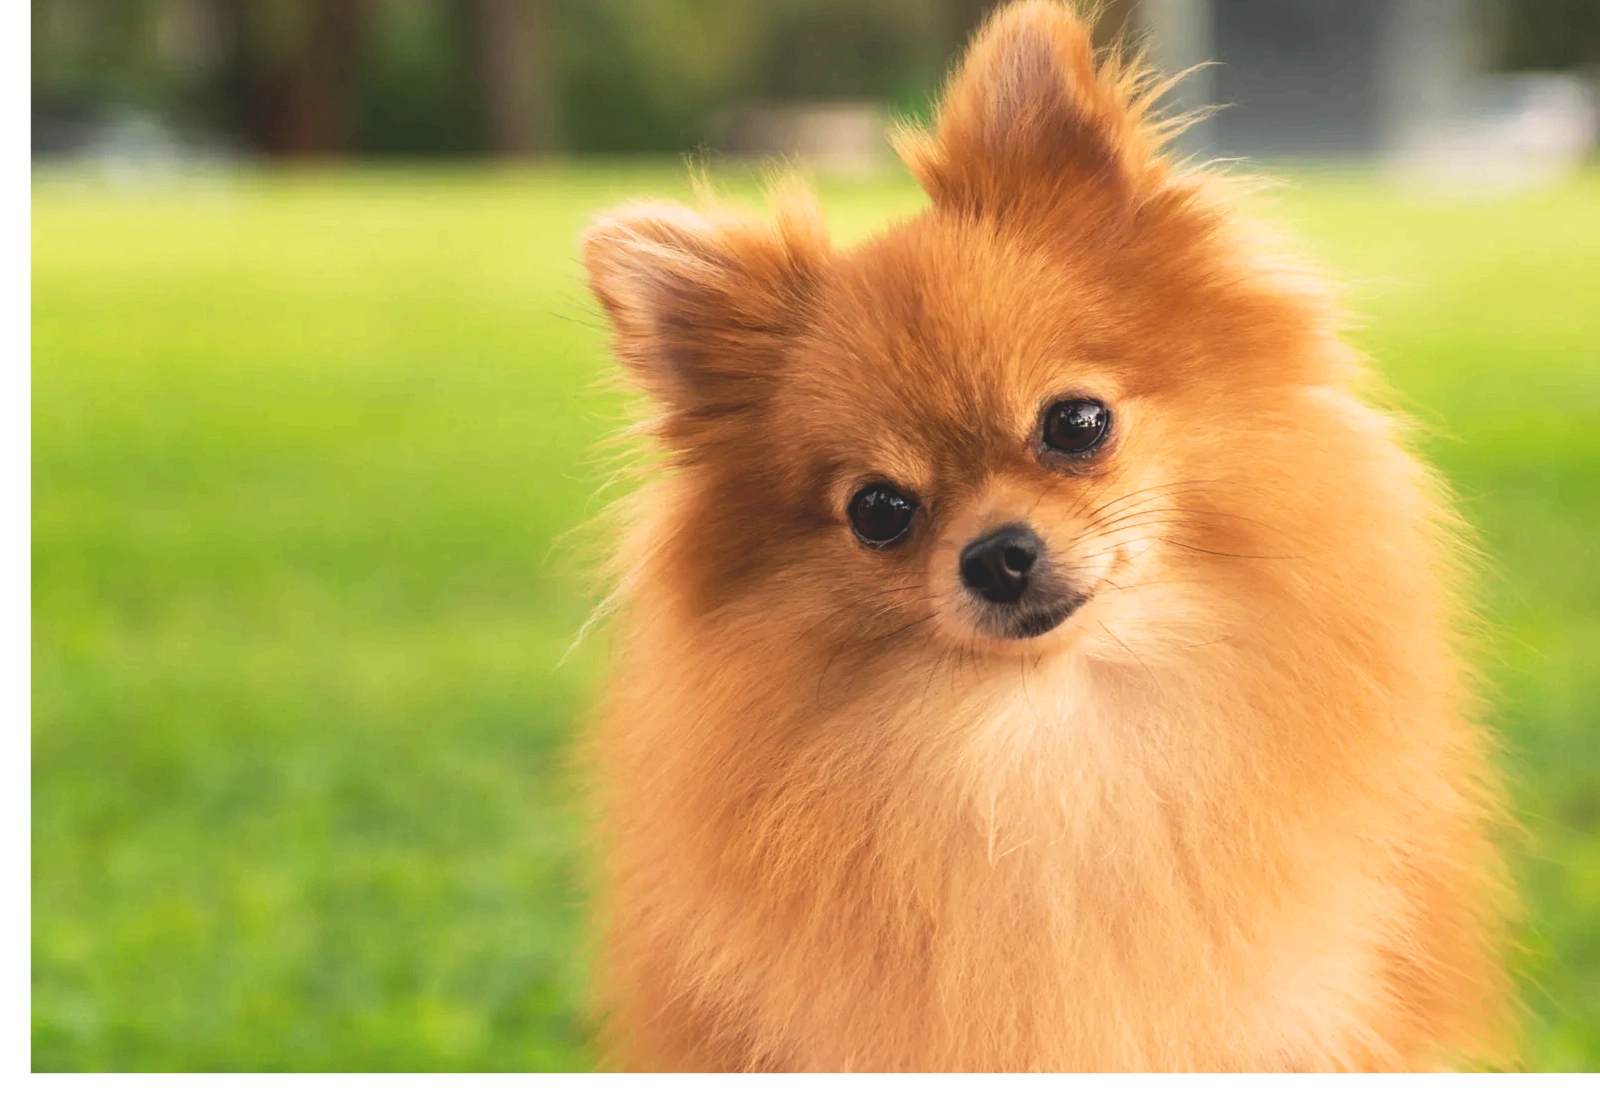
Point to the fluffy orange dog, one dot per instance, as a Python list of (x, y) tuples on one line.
[(1035, 655)]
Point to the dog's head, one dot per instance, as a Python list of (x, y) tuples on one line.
[(1050, 395)]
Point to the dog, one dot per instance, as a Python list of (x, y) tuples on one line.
[(1036, 651)]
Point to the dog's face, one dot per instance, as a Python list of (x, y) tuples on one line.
[(975, 420), (1029, 409), (960, 426)]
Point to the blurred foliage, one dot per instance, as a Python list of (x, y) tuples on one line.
[(643, 74), (408, 76), (1546, 34), (648, 74), (416, 86)]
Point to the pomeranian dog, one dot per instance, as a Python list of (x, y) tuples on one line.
[(1034, 654)]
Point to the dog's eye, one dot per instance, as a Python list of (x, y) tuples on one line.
[(1076, 426), (880, 514)]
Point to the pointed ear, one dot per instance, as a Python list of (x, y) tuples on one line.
[(1030, 116), (702, 305)]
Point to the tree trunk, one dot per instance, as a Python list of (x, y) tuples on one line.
[(509, 40), (292, 74)]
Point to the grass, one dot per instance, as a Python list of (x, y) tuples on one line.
[(301, 448)]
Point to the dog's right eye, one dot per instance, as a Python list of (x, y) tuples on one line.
[(880, 515)]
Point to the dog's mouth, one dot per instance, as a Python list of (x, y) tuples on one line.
[(1024, 622)]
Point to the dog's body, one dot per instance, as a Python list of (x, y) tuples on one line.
[(1203, 794)]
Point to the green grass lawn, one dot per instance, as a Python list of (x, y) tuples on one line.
[(302, 446)]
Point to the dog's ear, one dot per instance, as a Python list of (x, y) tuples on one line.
[(702, 305), (1031, 118)]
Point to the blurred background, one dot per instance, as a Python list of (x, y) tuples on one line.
[(316, 417), (160, 81)]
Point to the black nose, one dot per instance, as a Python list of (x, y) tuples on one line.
[(996, 566)]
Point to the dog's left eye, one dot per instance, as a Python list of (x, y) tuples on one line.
[(1076, 426), (880, 515)]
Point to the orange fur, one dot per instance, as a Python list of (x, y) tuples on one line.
[(1232, 814)]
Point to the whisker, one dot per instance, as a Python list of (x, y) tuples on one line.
[(1139, 659), (933, 670), (1179, 511), (1161, 488), (857, 645), (1228, 555), (1022, 670)]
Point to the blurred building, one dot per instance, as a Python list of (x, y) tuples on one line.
[(1328, 78), (1342, 79)]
